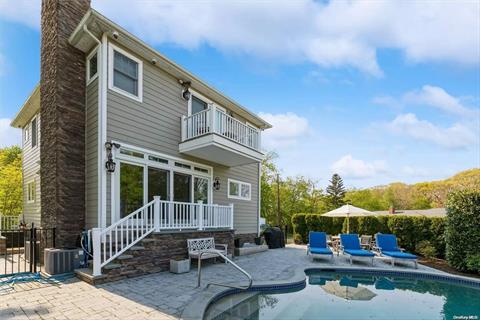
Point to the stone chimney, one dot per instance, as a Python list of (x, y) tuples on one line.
[(62, 111)]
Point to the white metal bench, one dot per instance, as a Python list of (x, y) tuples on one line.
[(196, 246)]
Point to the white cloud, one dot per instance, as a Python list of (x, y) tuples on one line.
[(332, 34), (288, 129), (23, 11), (9, 136), (349, 167), (456, 136), (438, 98)]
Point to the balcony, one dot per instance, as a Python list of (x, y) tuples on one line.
[(217, 137)]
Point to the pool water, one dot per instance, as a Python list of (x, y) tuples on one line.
[(355, 296)]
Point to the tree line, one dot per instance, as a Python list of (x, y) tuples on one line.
[(282, 197), (11, 181)]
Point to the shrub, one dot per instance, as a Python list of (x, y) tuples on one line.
[(426, 249), (473, 263), (437, 239), (404, 228), (299, 228), (462, 231), (368, 225)]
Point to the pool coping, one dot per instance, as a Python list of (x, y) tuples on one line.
[(197, 308)]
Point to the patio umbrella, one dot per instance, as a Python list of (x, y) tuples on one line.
[(348, 211), (348, 293)]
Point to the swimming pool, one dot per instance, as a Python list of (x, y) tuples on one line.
[(356, 295)]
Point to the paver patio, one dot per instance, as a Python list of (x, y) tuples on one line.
[(158, 296)]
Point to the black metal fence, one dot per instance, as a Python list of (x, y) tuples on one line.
[(21, 250)]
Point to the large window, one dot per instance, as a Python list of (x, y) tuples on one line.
[(239, 190), (182, 187), (34, 132), (144, 174), (131, 188), (31, 191), (158, 183), (200, 189), (125, 73)]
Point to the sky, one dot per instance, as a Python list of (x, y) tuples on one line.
[(377, 91)]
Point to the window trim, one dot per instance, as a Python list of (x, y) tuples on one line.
[(111, 49), (34, 191), (240, 183), (35, 118), (90, 55)]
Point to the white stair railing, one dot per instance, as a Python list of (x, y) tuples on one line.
[(111, 242)]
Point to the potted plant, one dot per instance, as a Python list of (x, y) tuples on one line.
[(179, 265)]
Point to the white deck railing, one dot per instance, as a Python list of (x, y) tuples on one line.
[(9, 222), (200, 123), (157, 215)]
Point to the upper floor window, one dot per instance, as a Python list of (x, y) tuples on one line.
[(31, 191), (239, 190), (34, 132), (26, 133), (92, 66), (125, 73)]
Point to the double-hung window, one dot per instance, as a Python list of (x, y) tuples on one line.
[(239, 190), (125, 73), (31, 191), (92, 66), (34, 132)]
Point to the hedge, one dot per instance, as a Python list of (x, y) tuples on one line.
[(409, 230), (462, 232)]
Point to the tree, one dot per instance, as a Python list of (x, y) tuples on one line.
[(336, 192), (11, 181)]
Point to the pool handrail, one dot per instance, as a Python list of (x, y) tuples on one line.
[(250, 279)]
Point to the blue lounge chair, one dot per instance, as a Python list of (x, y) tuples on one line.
[(387, 246), (317, 245), (350, 245)]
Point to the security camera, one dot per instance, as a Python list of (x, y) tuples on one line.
[(115, 34), (154, 61)]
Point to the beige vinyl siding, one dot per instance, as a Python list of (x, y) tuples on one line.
[(91, 155), (31, 171), (155, 124)]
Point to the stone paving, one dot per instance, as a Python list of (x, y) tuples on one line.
[(158, 296)]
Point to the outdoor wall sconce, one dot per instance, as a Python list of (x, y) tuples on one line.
[(110, 164), (186, 94), (216, 184)]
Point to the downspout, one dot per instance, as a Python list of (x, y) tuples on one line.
[(100, 150)]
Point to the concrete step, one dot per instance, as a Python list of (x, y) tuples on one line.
[(125, 257), (85, 274), (112, 266), (136, 248)]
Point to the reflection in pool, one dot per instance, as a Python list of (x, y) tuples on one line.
[(355, 296)]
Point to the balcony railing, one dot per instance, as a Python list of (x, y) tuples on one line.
[(213, 120)]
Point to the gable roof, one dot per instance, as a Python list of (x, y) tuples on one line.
[(28, 110), (98, 25)]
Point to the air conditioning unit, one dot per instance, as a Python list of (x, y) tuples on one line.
[(62, 260)]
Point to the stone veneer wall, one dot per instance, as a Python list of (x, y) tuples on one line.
[(154, 252), (62, 108), (246, 237)]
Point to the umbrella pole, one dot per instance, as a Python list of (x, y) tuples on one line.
[(348, 223)]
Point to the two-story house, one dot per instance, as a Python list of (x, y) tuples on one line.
[(120, 140)]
